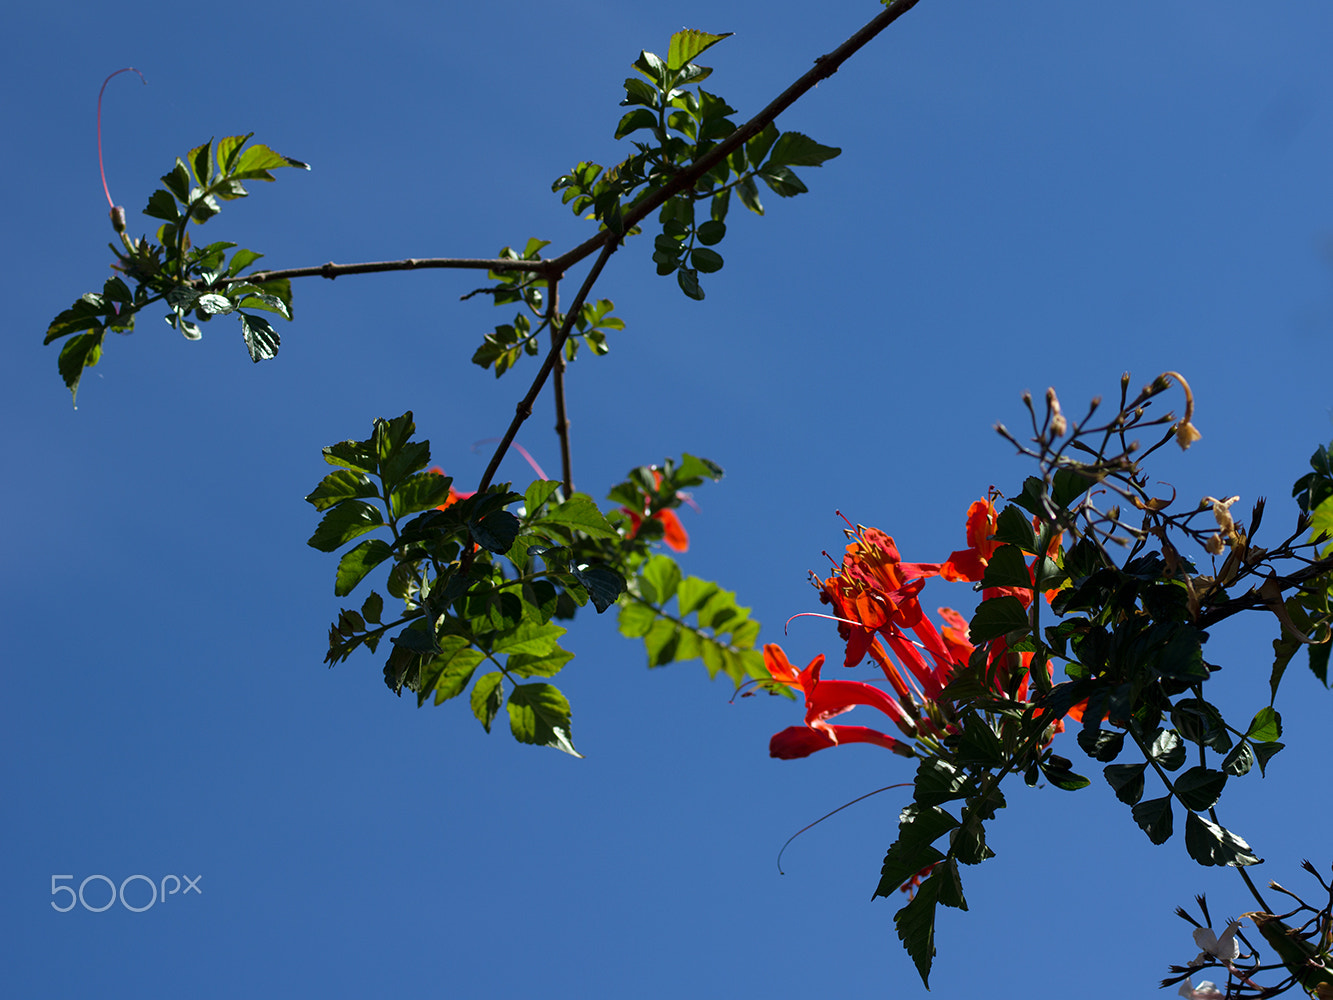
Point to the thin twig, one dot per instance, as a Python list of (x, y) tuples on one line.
[(558, 390), (332, 270), (524, 408)]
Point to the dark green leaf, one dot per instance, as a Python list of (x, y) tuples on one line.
[(1008, 568), (539, 713), (1210, 844), (712, 232), (357, 562), (996, 617), (604, 586), (580, 513), (918, 828), (706, 260), (1264, 752), (749, 195), (1167, 749), (1240, 760), (938, 781), (1126, 780), (1015, 528), (1154, 818), (545, 665), (782, 181), (529, 638), (1059, 772), (1100, 744), (978, 744), (496, 531), (372, 608), (688, 279), (536, 495), (915, 923), (1200, 787)]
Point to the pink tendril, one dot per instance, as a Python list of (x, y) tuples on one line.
[(101, 169)]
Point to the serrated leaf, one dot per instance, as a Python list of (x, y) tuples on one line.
[(531, 638), (344, 522), (372, 608), (345, 484), (536, 495), (580, 513), (1167, 749), (418, 492), (357, 562), (687, 45), (539, 714), (915, 924), (1264, 752), (81, 351), (996, 617), (1154, 818), (1240, 760), (546, 665)]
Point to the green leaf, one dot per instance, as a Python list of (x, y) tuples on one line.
[(1266, 726), (688, 280), (356, 455), (1126, 780), (938, 781), (978, 744), (662, 576), (261, 340), (688, 44), (634, 620), (536, 495), (373, 608), (635, 120), (783, 182), (418, 492), (545, 665), (1167, 749), (1008, 568), (345, 484), (1264, 752), (1210, 844), (529, 638), (796, 150), (996, 617), (580, 513), (539, 714), (487, 697), (604, 586), (749, 195), (1154, 818), (357, 562), (1200, 787), (344, 522), (496, 531), (918, 828), (711, 233), (1100, 744), (1240, 760), (1015, 528), (81, 351), (705, 260), (1059, 772)]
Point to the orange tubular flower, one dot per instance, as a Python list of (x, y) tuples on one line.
[(825, 699)]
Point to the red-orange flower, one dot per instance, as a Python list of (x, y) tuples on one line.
[(825, 699), (454, 495), (673, 531)]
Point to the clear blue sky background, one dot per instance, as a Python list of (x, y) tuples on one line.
[(1029, 195)]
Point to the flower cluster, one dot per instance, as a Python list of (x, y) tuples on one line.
[(875, 598)]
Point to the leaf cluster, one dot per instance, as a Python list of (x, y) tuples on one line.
[(195, 283)]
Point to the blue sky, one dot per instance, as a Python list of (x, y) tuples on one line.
[(1049, 194)]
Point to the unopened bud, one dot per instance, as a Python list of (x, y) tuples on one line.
[(1214, 545), (118, 219), (1058, 423)]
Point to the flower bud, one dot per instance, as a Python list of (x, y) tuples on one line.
[(118, 219)]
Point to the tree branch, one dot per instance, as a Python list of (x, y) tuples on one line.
[(825, 66)]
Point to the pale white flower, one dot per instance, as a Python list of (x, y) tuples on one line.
[(1205, 990), (1223, 949)]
